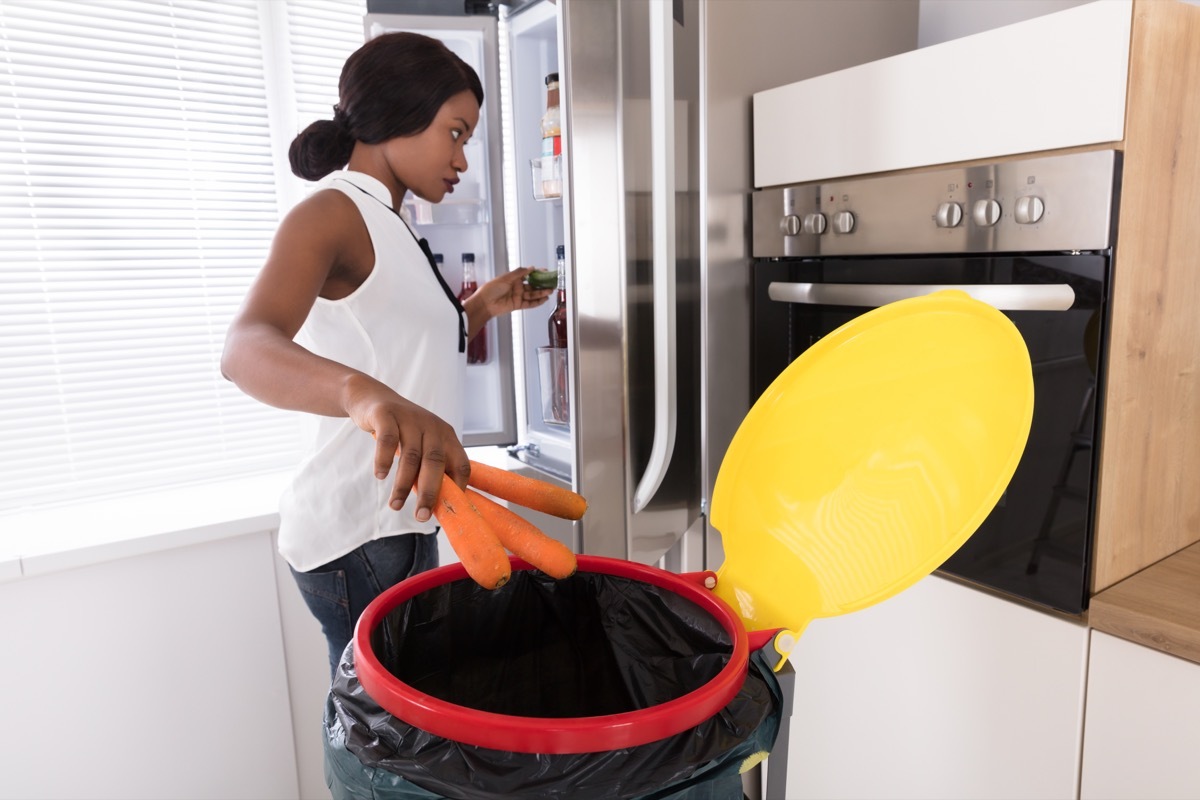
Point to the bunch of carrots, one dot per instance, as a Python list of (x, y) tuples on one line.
[(479, 529)]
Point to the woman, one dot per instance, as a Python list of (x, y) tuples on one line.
[(350, 321)]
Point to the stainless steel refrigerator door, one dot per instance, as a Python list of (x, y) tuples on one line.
[(472, 219), (634, 228)]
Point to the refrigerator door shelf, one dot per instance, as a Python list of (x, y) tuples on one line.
[(547, 177)]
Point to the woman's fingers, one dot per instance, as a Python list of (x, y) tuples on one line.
[(428, 449), (386, 443), (429, 482), (408, 466)]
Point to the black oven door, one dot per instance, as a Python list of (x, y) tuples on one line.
[(1036, 544)]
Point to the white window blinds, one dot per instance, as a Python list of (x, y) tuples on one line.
[(321, 35), (138, 198)]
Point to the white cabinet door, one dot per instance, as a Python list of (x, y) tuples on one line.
[(1054, 81), (940, 692), (1142, 733)]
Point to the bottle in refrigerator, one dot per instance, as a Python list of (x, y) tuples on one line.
[(551, 120), (557, 325), (477, 350), (551, 168), (557, 334)]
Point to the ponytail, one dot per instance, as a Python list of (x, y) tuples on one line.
[(321, 148)]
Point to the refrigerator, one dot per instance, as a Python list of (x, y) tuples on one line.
[(622, 200), (655, 168)]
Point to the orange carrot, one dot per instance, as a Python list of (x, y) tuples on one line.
[(528, 492), (471, 537), (524, 538)]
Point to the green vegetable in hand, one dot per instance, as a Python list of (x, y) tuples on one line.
[(542, 279)]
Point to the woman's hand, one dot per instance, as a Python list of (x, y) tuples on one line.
[(422, 443), (503, 295)]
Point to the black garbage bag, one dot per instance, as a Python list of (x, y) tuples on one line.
[(590, 645)]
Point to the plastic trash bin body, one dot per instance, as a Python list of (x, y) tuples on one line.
[(350, 778), (601, 645)]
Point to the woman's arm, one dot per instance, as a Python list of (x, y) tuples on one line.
[(318, 245)]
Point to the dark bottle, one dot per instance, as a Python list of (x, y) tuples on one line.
[(560, 402), (477, 347), (557, 325)]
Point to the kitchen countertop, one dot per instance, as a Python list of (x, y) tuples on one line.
[(1158, 607)]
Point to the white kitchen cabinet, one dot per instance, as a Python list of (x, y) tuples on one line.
[(940, 692), (1052, 82), (160, 675), (1142, 732)]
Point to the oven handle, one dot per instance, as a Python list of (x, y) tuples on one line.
[(1005, 297)]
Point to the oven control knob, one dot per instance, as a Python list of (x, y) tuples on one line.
[(843, 222), (986, 213), (1028, 210), (790, 225), (948, 215), (814, 223)]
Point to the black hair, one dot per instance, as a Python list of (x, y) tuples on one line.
[(392, 86)]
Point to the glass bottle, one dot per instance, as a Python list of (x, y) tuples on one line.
[(557, 330), (551, 120), (551, 168), (477, 347), (557, 325)]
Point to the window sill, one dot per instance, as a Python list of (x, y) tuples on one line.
[(51, 540)]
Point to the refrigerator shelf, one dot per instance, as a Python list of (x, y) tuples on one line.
[(467, 211), (546, 172)]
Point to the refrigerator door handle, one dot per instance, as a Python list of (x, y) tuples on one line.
[(662, 160), (1005, 297)]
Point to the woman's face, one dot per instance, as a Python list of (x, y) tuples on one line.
[(428, 164)]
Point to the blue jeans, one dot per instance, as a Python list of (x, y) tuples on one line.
[(337, 593)]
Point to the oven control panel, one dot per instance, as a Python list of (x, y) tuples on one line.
[(1048, 204)]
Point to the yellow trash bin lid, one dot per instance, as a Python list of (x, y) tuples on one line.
[(870, 460)]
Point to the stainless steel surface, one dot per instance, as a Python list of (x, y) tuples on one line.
[(662, 168), (589, 105), (607, 80), (1056, 203), (1022, 297)]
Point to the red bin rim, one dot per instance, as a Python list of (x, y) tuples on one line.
[(550, 734)]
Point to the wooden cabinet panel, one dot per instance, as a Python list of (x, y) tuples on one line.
[(1147, 504)]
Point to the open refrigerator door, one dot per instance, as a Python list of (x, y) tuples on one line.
[(611, 414), (465, 231)]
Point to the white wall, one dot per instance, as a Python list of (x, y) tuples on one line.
[(943, 20)]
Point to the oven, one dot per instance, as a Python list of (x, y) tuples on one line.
[(1032, 237)]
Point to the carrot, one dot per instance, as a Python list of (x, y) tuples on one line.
[(524, 538), (528, 492), (471, 537)]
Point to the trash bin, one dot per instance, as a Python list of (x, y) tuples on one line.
[(865, 464), (622, 681)]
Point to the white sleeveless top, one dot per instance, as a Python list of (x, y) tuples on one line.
[(399, 327)]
